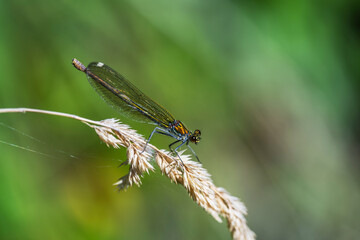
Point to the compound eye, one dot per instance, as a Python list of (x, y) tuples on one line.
[(197, 132)]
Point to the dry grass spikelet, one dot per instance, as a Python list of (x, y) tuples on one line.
[(116, 135), (196, 180)]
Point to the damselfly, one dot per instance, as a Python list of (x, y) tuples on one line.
[(129, 100)]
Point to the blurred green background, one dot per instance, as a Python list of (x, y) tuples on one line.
[(273, 86)]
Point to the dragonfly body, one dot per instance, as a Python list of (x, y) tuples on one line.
[(129, 100)]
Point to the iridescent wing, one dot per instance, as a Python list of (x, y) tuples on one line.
[(125, 97)]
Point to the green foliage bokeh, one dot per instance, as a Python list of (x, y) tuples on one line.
[(272, 85)]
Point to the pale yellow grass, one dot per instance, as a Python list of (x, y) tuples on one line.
[(196, 180)]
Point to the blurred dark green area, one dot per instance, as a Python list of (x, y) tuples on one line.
[(273, 86)]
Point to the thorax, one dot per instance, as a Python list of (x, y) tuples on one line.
[(179, 130)]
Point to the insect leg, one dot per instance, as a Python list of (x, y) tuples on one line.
[(187, 144), (156, 130), (171, 150), (175, 150)]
